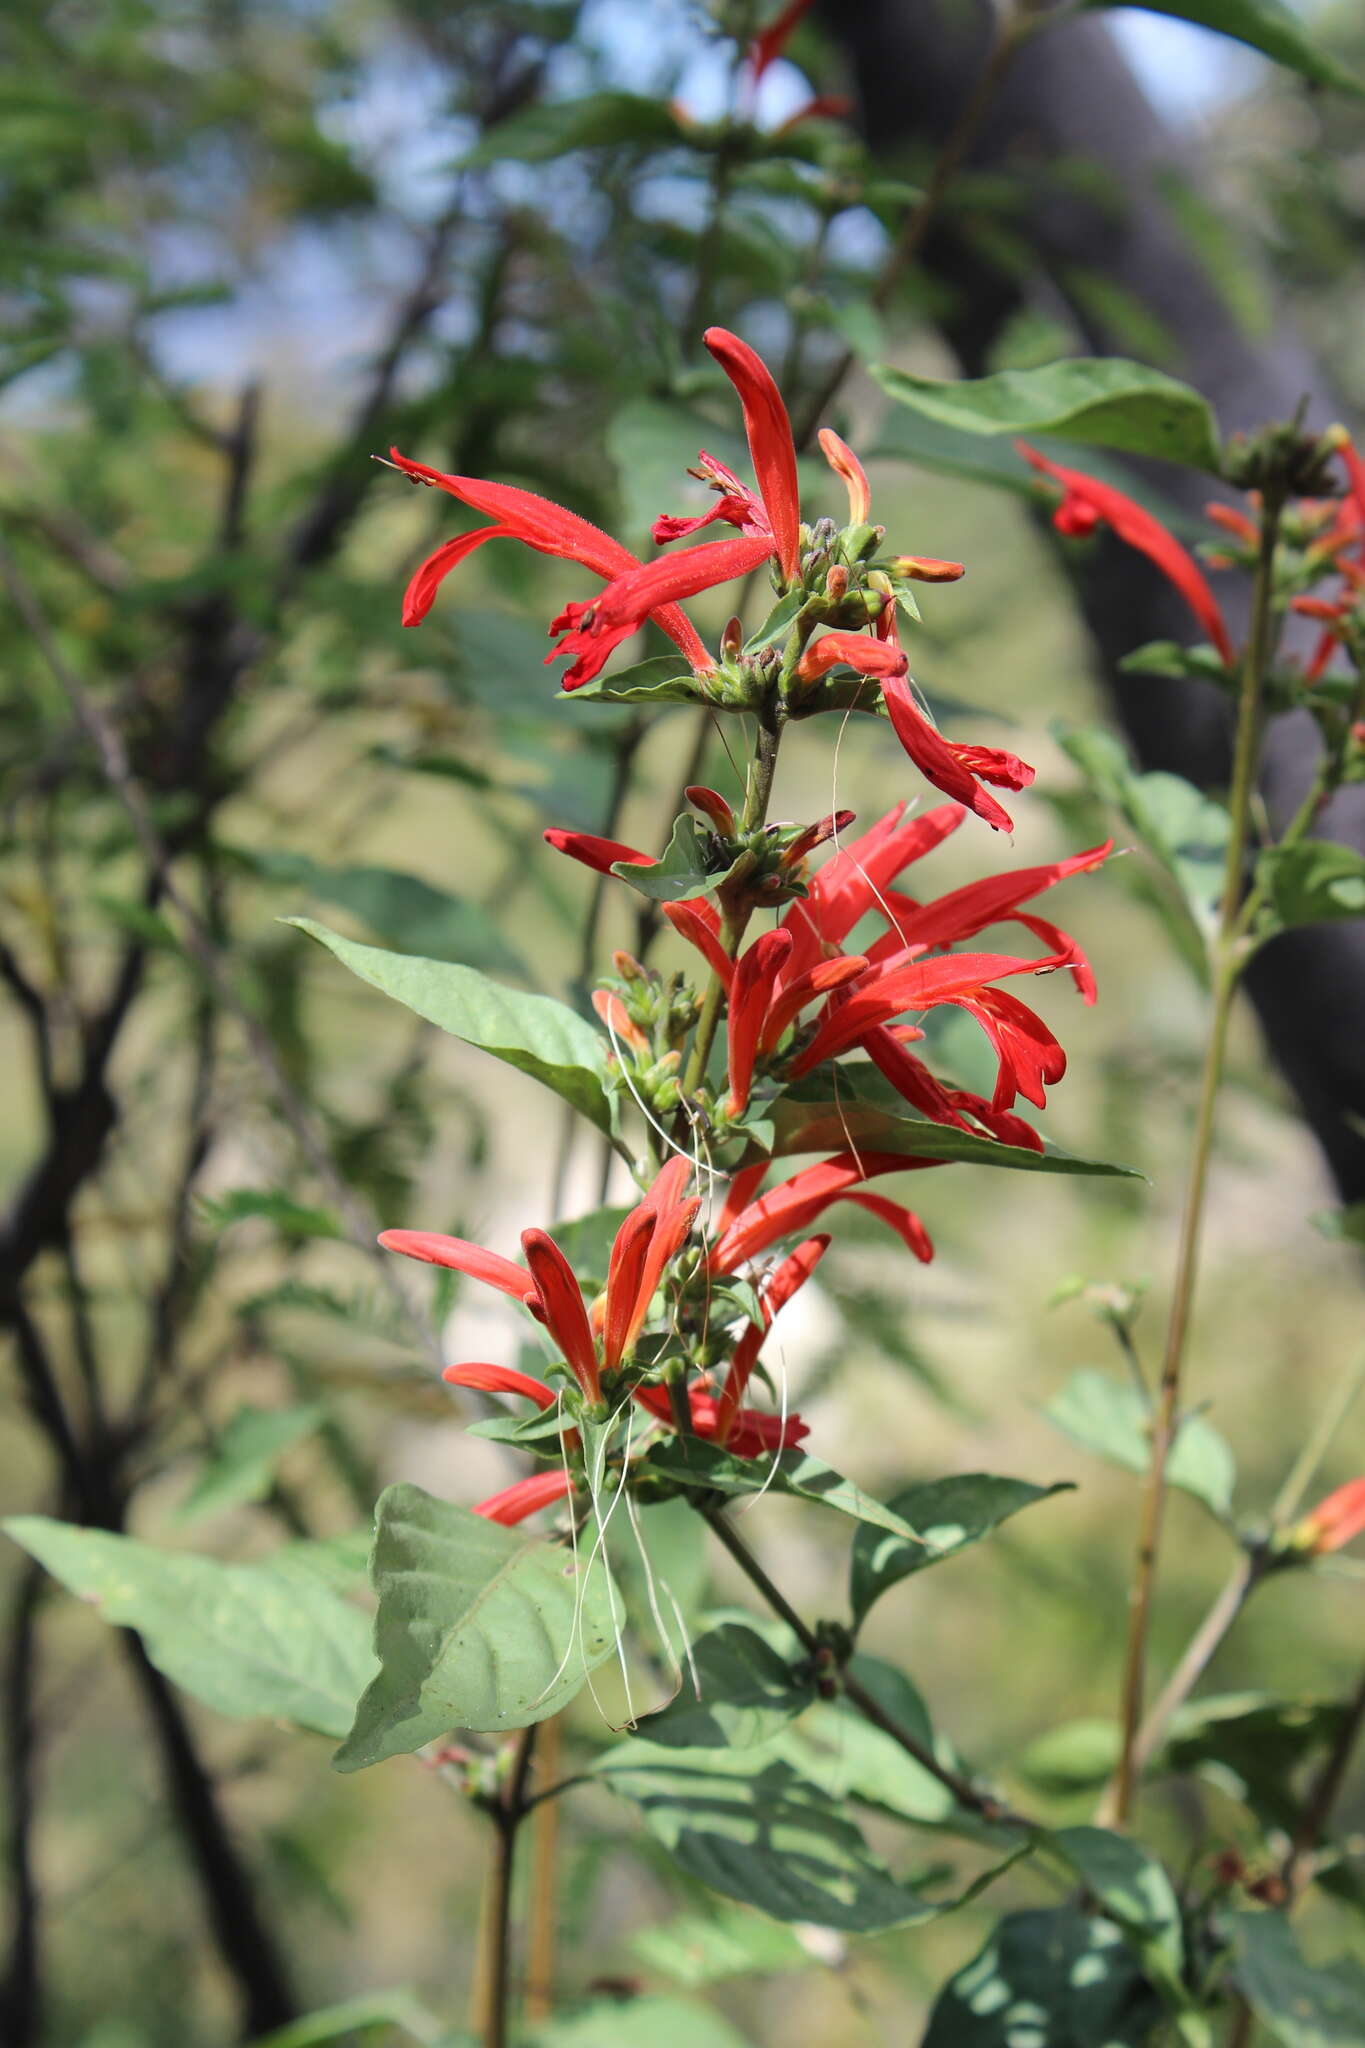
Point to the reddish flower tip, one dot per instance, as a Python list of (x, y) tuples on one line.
[(1334, 1521), (769, 434)]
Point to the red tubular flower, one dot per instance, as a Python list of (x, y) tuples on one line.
[(696, 921), (748, 1229), (592, 630), (953, 769), (852, 883), (500, 1379), (525, 1498), (735, 503), (649, 1237), (1030, 1058), (856, 650), (751, 990), (828, 827), (618, 1020), (845, 464), (899, 984), (1086, 502), (598, 854), (713, 805), (928, 569), (771, 447), (825, 106), (1334, 1521), (778, 1290), (558, 1303), (768, 45), (462, 1257), (538, 523), (792, 997), (753, 1433), (964, 912)]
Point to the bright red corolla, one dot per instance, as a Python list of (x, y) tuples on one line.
[(1087, 503), (1335, 1520), (649, 1237), (552, 530)]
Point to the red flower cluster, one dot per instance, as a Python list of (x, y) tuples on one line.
[(862, 995), (768, 517)]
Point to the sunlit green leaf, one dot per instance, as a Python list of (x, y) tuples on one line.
[(859, 1107), (1099, 399), (541, 1037), (1316, 880), (658, 2020), (948, 1515), (691, 1462), (479, 1627), (736, 1692), (258, 1641), (1110, 1418), (1053, 1978), (1304, 2005), (705, 1948)]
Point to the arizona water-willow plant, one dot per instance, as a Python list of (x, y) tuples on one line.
[(756, 1077), (646, 1391)]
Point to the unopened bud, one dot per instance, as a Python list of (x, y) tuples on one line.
[(928, 569), (836, 582), (713, 805), (628, 967), (732, 639)]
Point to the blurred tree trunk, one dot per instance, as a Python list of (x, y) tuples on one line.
[(1070, 96)]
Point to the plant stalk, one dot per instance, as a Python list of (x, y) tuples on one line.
[(1226, 963), (507, 1814), (964, 1792), (757, 797)]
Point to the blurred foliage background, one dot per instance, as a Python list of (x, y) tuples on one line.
[(243, 247)]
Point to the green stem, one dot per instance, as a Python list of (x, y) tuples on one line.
[(508, 1814), (1319, 1443), (757, 796), (1199, 1654), (1226, 969), (968, 1795)]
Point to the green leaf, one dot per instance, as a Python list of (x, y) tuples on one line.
[(736, 1694), (242, 1467), (1052, 1978), (479, 1627), (849, 1758), (1185, 830), (1304, 2005), (859, 1107), (539, 134), (1110, 1418), (682, 869), (1133, 1889), (1078, 1756), (354, 2016), (655, 681), (1183, 664), (252, 1640), (1103, 400), (535, 1034), (295, 1220), (661, 2021), (761, 1833), (403, 909), (691, 1462), (705, 1948), (1312, 882), (948, 1515), (1252, 1744), (1265, 25)]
